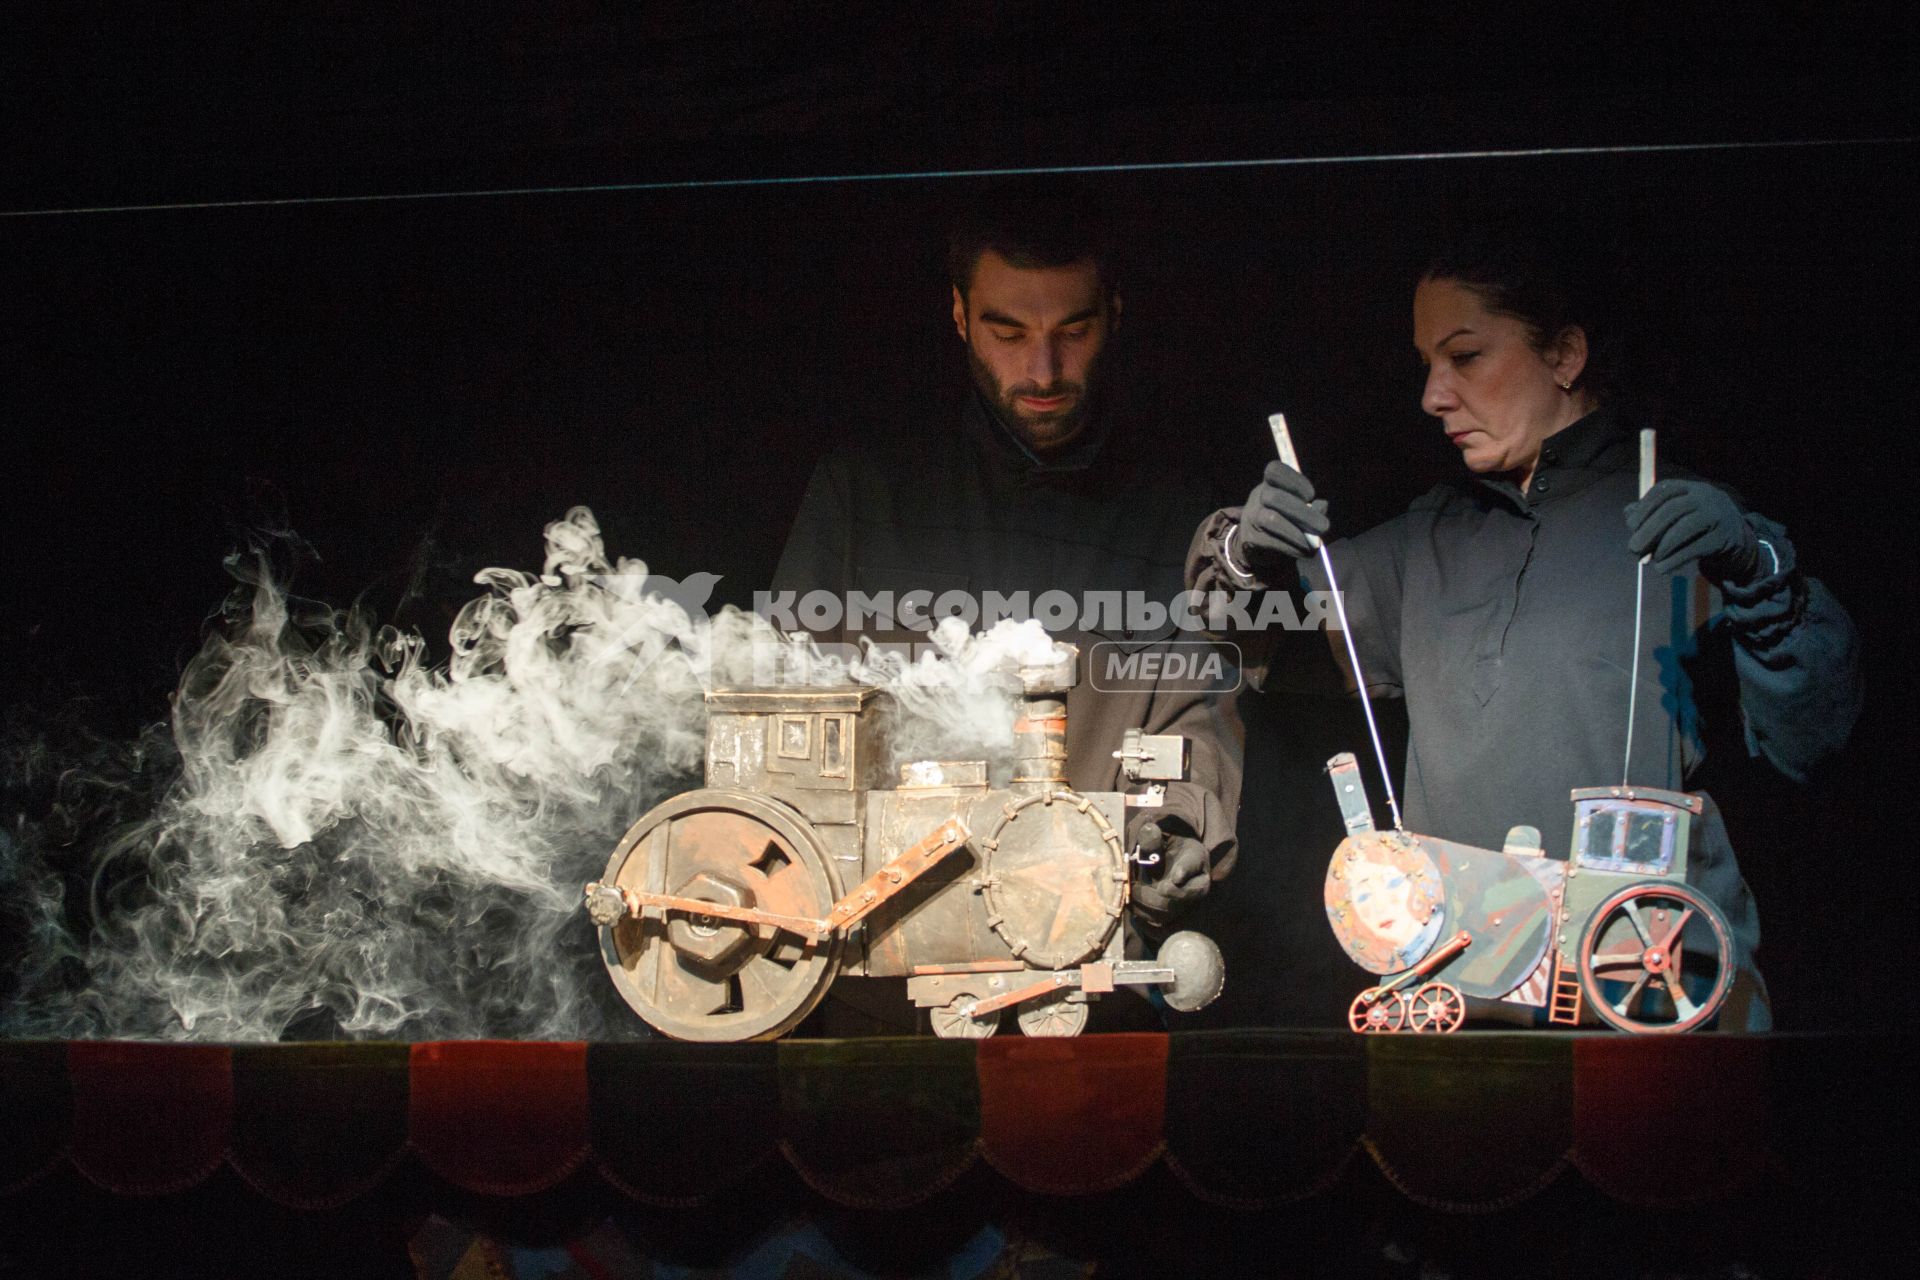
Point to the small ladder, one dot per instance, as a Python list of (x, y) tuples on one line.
[(1563, 1008)]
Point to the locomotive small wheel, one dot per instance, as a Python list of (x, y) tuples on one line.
[(1437, 1007), (1053, 1015), (1633, 943), (954, 1020), (703, 978), (1386, 1012)]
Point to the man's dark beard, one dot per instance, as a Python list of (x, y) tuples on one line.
[(1068, 428)]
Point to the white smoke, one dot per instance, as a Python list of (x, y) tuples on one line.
[(356, 841), (959, 700)]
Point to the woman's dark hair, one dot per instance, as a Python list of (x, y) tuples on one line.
[(1547, 280)]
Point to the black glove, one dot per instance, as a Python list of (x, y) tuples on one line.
[(1183, 875), (1680, 521), (1280, 513)]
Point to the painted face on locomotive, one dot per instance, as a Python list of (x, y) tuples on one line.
[(1384, 903), (1387, 903)]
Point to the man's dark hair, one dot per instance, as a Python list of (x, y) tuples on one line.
[(1546, 276), (1031, 222)]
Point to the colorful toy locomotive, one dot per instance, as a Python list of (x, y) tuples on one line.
[(1614, 928)]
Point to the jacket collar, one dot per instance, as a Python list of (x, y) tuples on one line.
[(1570, 460)]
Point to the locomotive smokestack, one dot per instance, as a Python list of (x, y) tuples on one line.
[(1040, 732)]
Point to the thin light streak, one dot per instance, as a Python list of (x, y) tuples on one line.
[(1158, 166)]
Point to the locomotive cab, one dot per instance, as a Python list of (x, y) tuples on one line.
[(1640, 835)]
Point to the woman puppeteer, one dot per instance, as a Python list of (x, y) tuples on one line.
[(1500, 605)]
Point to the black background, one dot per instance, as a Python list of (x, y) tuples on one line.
[(416, 386)]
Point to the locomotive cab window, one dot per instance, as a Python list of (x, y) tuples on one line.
[(833, 746), (1614, 835), (794, 740), (1599, 832), (1647, 837)]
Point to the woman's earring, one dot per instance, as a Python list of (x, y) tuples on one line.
[(1566, 386)]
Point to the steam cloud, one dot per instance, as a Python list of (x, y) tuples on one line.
[(337, 837)]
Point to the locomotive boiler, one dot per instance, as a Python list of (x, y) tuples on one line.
[(725, 913)]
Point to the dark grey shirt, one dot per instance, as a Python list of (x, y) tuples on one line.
[(1506, 622)]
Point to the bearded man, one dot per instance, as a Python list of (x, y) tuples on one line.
[(1040, 483)]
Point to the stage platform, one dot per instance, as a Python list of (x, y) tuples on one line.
[(1193, 1153)]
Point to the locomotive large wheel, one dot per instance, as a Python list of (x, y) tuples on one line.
[(1633, 962), (702, 978)]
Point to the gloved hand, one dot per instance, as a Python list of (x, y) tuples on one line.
[(1182, 876), (1280, 513), (1680, 521)]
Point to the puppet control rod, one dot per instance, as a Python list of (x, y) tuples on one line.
[(1283, 441), (1639, 599)]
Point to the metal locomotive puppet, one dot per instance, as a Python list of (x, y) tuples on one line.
[(1615, 928), (725, 913)]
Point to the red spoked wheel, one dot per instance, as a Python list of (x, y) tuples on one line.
[(1437, 1007), (1639, 947), (1376, 1010)]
